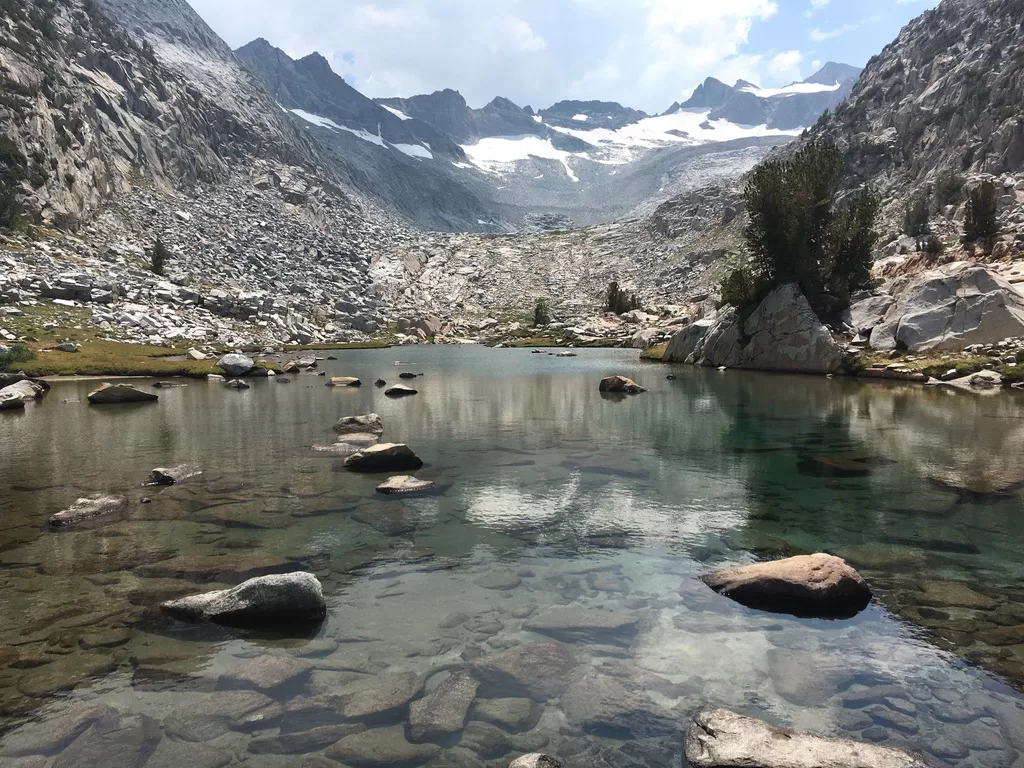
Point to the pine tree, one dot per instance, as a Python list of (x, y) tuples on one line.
[(159, 258)]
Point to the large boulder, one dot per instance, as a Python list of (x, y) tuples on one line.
[(235, 365), (400, 390), (685, 341), (384, 457), (807, 585), (11, 401), (370, 424), (781, 334), (273, 600), (88, 508), (26, 390), (865, 314), (431, 325), (643, 339), (962, 304), (621, 385), (344, 381), (722, 739), (120, 393)]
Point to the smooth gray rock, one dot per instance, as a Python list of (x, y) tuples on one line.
[(237, 384), (867, 313), (722, 739), (370, 423), (513, 715), (11, 401), (88, 508), (26, 390), (952, 308), (400, 390), (381, 748), (211, 714), (266, 673), (685, 341), (535, 760), (386, 696), (602, 705), (404, 484), (236, 365), (278, 600), (442, 713)]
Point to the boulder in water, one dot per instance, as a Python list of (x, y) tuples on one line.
[(404, 484), (722, 739), (11, 401), (380, 383), (620, 384), (370, 423), (120, 393), (26, 389), (88, 508), (237, 384), (236, 365), (276, 600), (400, 390), (172, 475), (535, 760), (384, 457), (442, 713), (344, 381), (808, 585)]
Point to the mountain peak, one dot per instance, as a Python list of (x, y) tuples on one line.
[(834, 72)]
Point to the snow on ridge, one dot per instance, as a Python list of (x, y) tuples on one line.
[(581, 118), (414, 150), (495, 154), (790, 90), (396, 112)]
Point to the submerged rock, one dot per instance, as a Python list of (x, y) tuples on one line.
[(237, 384), (11, 401), (172, 475), (381, 748), (383, 698), (370, 423), (535, 760), (723, 739), (512, 715), (276, 600), (267, 673), (384, 457), (807, 585), (236, 365), (540, 671), (88, 508), (26, 390), (576, 624), (620, 384), (601, 705), (400, 390), (442, 713), (120, 393), (344, 381), (404, 484)]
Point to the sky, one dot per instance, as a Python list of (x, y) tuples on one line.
[(644, 54)]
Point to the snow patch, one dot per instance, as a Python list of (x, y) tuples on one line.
[(396, 112), (414, 150), (324, 122), (581, 118), (497, 154), (538, 118), (790, 90)]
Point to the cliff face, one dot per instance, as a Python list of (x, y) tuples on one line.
[(93, 110), (946, 94)]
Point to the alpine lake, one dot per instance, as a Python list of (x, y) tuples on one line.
[(564, 544)]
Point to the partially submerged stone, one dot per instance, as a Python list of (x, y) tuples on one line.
[(722, 739), (344, 381), (172, 475), (535, 760), (88, 508), (808, 585), (277, 600), (11, 401), (442, 714), (620, 384), (26, 389), (384, 457), (120, 393), (404, 484), (236, 365), (400, 390), (370, 423), (237, 384)]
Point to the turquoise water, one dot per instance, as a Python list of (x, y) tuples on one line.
[(550, 496)]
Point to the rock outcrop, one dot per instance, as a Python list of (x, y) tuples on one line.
[(404, 484), (370, 423), (806, 585), (109, 394), (172, 475), (952, 308), (781, 334), (620, 385), (277, 600), (722, 739), (235, 366), (384, 457), (88, 508)]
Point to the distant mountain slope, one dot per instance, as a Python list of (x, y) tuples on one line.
[(798, 105), (946, 94)]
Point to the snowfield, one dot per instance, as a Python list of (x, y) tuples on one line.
[(790, 90)]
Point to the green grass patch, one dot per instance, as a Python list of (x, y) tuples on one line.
[(654, 352), (16, 358), (32, 323)]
